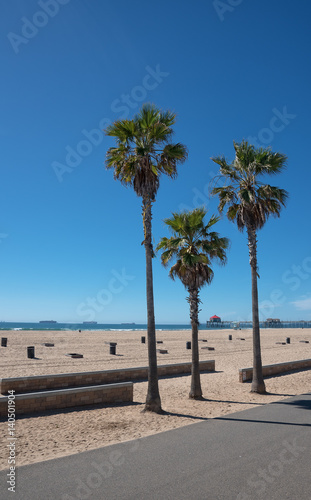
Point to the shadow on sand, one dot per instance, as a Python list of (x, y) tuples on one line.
[(72, 409)]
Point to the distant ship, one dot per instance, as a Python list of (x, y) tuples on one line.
[(89, 323), (128, 323), (48, 321)]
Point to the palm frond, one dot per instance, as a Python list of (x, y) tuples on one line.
[(123, 130), (193, 246), (268, 192), (247, 200), (143, 152)]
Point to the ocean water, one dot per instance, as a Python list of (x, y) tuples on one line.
[(84, 326), (139, 327)]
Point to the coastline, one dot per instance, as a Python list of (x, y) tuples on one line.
[(124, 327)]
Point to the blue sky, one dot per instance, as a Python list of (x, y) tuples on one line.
[(70, 236)]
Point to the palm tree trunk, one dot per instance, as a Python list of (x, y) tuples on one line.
[(258, 384), (153, 401), (195, 390)]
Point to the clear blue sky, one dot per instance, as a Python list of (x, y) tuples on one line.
[(70, 243)]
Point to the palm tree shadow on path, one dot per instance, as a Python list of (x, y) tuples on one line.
[(206, 400), (304, 404)]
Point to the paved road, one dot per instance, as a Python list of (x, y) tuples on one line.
[(262, 453)]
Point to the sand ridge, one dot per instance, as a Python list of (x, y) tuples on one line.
[(79, 429)]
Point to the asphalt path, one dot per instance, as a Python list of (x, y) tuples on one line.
[(262, 453)]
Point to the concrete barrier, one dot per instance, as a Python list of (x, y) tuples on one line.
[(66, 380), (246, 374), (38, 402)]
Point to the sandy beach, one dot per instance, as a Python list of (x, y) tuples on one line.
[(72, 431)]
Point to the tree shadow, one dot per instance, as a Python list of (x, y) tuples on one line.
[(304, 404), (207, 400), (261, 421), (278, 394), (183, 415), (234, 402)]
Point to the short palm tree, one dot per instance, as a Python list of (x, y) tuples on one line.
[(249, 204), (143, 152), (193, 246)]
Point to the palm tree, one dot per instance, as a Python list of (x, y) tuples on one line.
[(249, 203), (193, 246), (142, 153)]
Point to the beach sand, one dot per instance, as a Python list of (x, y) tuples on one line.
[(56, 434)]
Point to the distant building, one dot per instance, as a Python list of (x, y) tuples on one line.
[(215, 319), (271, 320)]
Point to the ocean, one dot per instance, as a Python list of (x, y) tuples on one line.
[(88, 326), (139, 327)]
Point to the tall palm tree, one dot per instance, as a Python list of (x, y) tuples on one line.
[(193, 246), (142, 153), (249, 204)]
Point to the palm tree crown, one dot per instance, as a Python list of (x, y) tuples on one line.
[(249, 201), (193, 246), (143, 151)]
